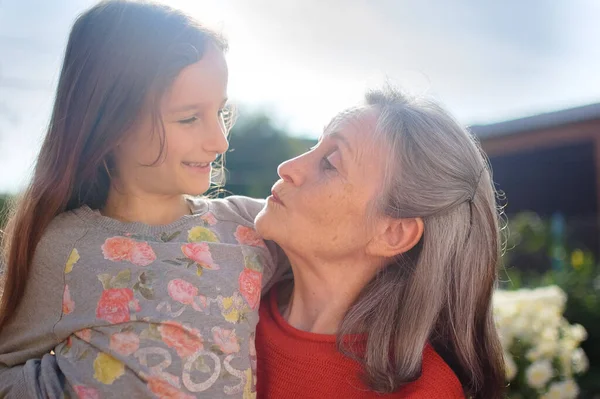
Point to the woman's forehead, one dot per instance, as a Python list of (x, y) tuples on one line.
[(355, 124), (357, 128)]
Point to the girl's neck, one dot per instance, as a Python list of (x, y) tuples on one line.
[(153, 210)]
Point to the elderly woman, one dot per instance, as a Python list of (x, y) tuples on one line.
[(391, 229)]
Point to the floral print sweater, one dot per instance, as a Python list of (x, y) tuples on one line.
[(127, 310)]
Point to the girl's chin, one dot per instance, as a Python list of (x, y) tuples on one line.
[(197, 190)]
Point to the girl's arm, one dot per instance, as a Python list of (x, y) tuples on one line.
[(27, 369), (247, 208)]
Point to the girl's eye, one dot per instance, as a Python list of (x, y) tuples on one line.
[(188, 121)]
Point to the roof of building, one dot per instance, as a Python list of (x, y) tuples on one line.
[(537, 122)]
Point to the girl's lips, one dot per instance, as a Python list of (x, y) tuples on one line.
[(200, 167)]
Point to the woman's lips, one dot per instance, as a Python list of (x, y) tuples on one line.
[(275, 198)]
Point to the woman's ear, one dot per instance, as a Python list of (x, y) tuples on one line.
[(395, 236)]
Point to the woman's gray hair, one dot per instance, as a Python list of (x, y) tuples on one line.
[(439, 292)]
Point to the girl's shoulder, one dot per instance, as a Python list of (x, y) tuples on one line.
[(234, 208), (62, 232)]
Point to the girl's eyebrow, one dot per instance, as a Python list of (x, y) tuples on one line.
[(184, 108), (192, 107)]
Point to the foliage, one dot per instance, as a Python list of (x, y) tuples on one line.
[(542, 350), (540, 255), (257, 147), (3, 209)]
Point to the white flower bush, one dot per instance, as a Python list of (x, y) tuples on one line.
[(541, 348)]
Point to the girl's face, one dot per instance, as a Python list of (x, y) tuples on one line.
[(194, 134)]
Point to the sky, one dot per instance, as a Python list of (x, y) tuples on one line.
[(302, 61)]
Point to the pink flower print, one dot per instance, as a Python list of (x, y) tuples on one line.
[(199, 253), (125, 343), (182, 291), (186, 341), (127, 249), (201, 304), (163, 390), (142, 254), (117, 248), (84, 335), (250, 284), (68, 304), (209, 218), (114, 305), (247, 236), (226, 340), (84, 392)]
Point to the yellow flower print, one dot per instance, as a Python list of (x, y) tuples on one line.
[(107, 369), (233, 308), (230, 313), (73, 258), (199, 233), (249, 392)]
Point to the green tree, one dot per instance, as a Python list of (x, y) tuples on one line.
[(257, 147), (3, 209)]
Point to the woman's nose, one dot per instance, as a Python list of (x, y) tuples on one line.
[(292, 171)]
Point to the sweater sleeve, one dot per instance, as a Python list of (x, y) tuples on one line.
[(248, 208), (27, 369)]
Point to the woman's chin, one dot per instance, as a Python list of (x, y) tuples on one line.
[(264, 225)]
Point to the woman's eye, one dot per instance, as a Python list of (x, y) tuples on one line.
[(327, 165), (188, 121)]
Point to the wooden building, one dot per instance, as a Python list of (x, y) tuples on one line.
[(549, 164)]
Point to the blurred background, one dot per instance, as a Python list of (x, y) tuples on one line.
[(525, 76)]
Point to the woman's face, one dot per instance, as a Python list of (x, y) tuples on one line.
[(321, 206), (194, 134)]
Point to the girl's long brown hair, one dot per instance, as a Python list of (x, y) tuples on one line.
[(121, 56)]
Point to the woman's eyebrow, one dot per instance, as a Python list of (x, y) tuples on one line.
[(343, 140)]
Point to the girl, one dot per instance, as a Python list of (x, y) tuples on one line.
[(139, 289)]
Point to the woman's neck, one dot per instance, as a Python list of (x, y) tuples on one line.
[(321, 296), (145, 208)]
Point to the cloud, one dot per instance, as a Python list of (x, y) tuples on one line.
[(305, 60)]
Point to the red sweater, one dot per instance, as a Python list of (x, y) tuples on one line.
[(300, 365)]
